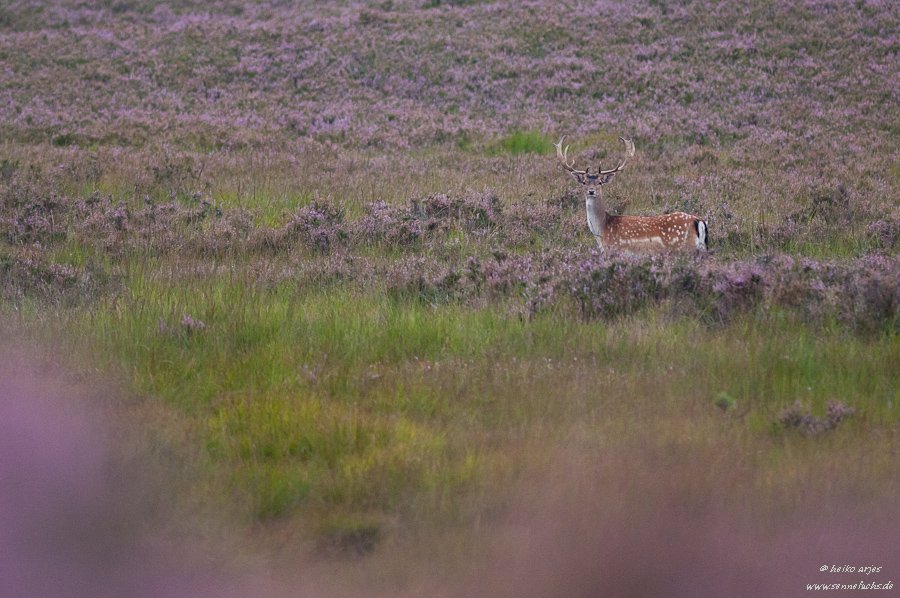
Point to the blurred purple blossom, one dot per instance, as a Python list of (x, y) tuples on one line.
[(70, 526)]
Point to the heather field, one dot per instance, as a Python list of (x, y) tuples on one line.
[(318, 311)]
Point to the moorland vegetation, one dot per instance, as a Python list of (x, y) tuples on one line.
[(350, 300)]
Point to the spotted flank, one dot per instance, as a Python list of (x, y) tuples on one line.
[(670, 232)]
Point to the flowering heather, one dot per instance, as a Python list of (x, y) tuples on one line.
[(863, 292), (795, 418), (218, 74), (397, 226), (188, 326), (886, 231), (318, 226), (719, 96)]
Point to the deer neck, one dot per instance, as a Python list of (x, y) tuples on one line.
[(596, 215)]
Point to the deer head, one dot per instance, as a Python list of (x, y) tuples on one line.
[(592, 182)]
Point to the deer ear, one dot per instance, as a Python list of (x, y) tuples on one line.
[(607, 178), (578, 177)]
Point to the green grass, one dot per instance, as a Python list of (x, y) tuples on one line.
[(526, 142), (307, 404)]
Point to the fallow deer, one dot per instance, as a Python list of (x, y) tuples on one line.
[(637, 234)]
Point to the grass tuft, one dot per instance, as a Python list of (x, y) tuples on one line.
[(526, 142)]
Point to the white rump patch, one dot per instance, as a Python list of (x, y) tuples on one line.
[(701, 235)]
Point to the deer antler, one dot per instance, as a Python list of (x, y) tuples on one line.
[(629, 152), (563, 155)]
